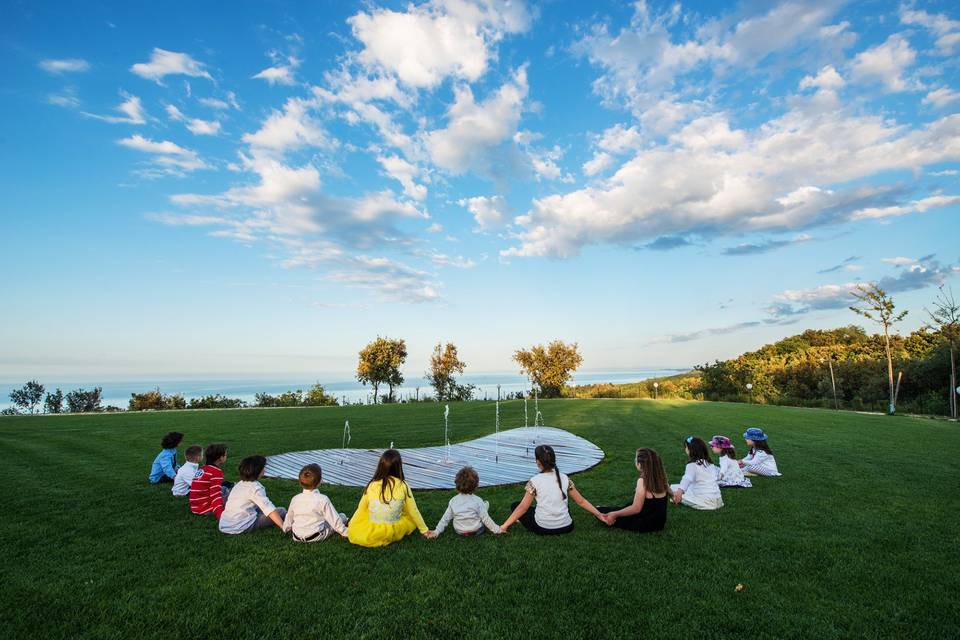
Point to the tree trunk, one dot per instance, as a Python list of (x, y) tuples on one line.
[(953, 385), (376, 387), (893, 403)]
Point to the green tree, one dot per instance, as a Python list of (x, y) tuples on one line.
[(549, 368), (54, 402), (28, 396), (945, 319), (873, 303), (318, 397), (445, 364), (380, 363), (83, 401)]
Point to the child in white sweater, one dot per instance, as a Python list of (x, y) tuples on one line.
[(729, 473), (759, 460), (470, 514), (698, 488), (311, 516), (184, 478)]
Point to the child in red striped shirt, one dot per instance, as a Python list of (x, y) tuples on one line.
[(208, 491)]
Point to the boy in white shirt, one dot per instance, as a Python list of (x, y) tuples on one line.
[(311, 516), (470, 514), (185, 474), (248, 508)]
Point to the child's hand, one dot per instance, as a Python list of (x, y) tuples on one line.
[(430, 535), (504, 527), (677, 496), (609, 519)]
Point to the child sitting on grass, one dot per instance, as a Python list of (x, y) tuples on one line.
[(470, 514), (181, 484), (311, 516), (729, 473), (648, 511), (698, 488), (164, 467), (208, 490), (248, 507), (759, 460), (387, 511)]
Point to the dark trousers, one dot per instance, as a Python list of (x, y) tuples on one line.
[(530, 524), (165, 480), (630, 523)]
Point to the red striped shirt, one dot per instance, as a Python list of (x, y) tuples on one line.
[(205, 495)]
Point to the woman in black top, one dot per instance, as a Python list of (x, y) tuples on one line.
[(648, 511)]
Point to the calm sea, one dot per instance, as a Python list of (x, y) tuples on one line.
[(118, 393)]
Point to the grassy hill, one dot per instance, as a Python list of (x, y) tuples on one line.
[(858, 539)]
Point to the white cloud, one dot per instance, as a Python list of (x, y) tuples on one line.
[(221, 105), (917, 206), (436, 227), (826, 79), (942, 97), (165, 63), (601, 161), (424, 45), (392, 280), (67, 98), (942, 26), (475, 129), (405, 173), (131, 108), (443, 260), (194, 125), (489, 212), (885, 64), (945, 172), (713, 179), (168, 157), (280, 74), (69, 65), (899, 261), (290, 129)]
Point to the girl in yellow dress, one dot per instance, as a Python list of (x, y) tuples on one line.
[(387, 511)]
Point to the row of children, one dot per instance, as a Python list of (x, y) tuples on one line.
[(388, 512)]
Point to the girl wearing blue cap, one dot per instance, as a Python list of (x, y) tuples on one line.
[(759, 460)]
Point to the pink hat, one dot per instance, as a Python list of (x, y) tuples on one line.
[(721, 442)]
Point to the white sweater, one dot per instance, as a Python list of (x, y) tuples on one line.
[(468, 513), (312, 513), (760, 463), (184, 478), (729, 474)]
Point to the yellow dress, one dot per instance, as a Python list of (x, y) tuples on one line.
[(377, 523)]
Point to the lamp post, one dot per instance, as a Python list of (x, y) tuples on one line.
[(833, 383), (656, 390), (750, 389)]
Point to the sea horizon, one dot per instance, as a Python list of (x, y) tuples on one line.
[(117, 392)]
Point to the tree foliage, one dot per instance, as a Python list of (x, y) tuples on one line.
[(53, 403), (27, 397), (873, 303), (83, 401), (445, 365), (316, 396), (154, 400), (380, 363), (549, 368), (945, 320)]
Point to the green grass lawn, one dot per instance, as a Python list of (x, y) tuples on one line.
[(859, 538)]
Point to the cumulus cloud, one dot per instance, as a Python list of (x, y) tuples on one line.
[(885, 64), (406, 174), (445, 38), (945, 29), (614, 141), (168, 158), (194, 125), (166, 63), (131, 109), (292, 128), (68, 65), (942, 97), (283, 74), (714, 179), (474, 129), (489, 212)]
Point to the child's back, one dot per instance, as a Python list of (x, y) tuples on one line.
[(729, 474), (469, 514), (311, 517)]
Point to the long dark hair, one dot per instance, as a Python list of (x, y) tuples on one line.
[(548, 459), (651, 470), (730, 452), (762, 446), (389, 468), (697, 450)]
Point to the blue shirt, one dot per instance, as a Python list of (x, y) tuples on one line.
[(165, 464)]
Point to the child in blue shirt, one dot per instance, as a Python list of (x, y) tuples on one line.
[(165, 467)]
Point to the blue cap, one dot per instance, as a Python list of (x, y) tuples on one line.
[(754, 433)]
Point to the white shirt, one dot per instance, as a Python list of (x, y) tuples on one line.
[(312, 513), (700, 480), (468, 513), (184, 478), (761, 463), (552, 511), (729, 474), (242, 504)]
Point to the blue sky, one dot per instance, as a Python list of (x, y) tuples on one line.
[(194, 190)]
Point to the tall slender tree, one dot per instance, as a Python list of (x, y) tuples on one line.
[(380, 363), (445, 364), (945, 319), (873, 303)]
